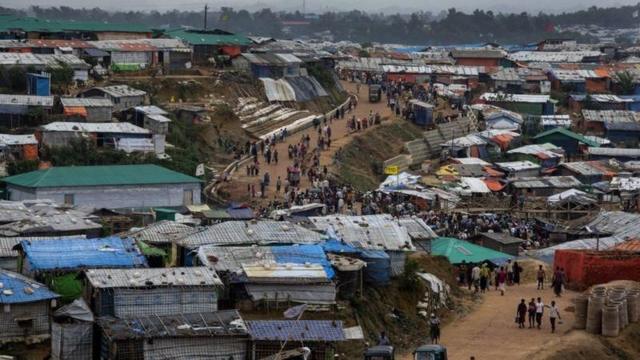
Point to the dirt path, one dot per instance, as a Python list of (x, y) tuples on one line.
[(340, 136), (490, 331)]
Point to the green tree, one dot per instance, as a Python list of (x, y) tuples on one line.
[(626, 80), (61, 76)]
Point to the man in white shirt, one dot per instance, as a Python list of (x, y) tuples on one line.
[(475, 277), (554, 313), (539, 312)]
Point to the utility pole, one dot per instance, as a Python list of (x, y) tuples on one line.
[(206, 7)]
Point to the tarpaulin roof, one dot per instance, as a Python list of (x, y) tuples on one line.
[(494, 185), (458, 251), (70, 254), (21, 289), (295, 330), (75, 111)]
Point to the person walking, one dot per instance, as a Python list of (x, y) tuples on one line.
[(516, 273), (532, 313), (521, 314), (539, 312), (484, 277), (554, 313), (434, 328), (502, 279), (541, 277), (383, 340), (475, 277), (509, 270), (278, 185), (557, 281)]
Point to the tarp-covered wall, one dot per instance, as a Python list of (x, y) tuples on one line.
[(378, 269), (586, 268), (294, 88)]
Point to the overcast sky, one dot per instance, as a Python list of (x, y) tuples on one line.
[(403, 6)]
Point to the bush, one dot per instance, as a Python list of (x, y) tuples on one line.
[(409, 281), (21, 166)]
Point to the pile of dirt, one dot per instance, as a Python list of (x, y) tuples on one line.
[(530, 270), (360, 161)]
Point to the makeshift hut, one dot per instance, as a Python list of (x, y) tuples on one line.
[(59, 262), (26, 309), (349, 275), (320, 336), (458, 251), (208, 335), (72, 332), (127, 293), (371, 232), (162, 235), (502, 242)]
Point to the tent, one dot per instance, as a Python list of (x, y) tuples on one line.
[(457, 251)]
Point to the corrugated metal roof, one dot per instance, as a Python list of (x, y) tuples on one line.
[(523, 98), (322, 294), (17, 289), (417, 228), (121, 90), (517, 165), (10, 139), (431, 69), (574, 75), (7, 244), (154, 277), (42, 60), (611, 116), (552, 57), (107, 127), (298, 330), (631, 184), (556, 120), (545, 151), (215, 324), (588, 168), (561, 182), (479, 53), (251, 232), (601, 98), (86, 102), (503, 238), (373, 232), (629, 245), (162, 232), (100, 175), (73, 254), (567, 133), (28, 100), (141, 45), (614, 152), (289, 58), (285, 273)]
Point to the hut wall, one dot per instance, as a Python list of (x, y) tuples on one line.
[(72, 341), (125, 303), (37, 311), (189, 348)]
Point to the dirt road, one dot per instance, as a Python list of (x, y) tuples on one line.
[(490, 332), (340, 136)]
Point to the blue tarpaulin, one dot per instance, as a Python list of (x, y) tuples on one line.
[(14, 289), (301, 254), (378, 269), (72, 254)]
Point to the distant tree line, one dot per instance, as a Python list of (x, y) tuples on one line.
[(449, 27)]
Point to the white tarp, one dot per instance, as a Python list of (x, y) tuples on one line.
[(278, 90)]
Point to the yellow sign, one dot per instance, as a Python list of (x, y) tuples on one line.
[(391, 170)]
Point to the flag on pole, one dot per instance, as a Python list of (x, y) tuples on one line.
[(294, 312)]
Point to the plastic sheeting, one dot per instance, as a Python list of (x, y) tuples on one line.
[(378, 269), (295, 88), (278, 90)]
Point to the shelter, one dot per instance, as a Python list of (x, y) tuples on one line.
[(320, 336), (211, 335), (549, 122), (139, 54), (72, 332), (370, 232), (503, 120), (210, 44), (58, 262), (577, 102), (544, 186), (422, 112), (105, 134), (163, 235), (457, 251), (268, 65), (123, 97), (502, 242), (546, 155), (87, 109), (108, 186), (584, 268), (479, 57), (525, 104), (589, 172), (26, 309), (18, 147), (519, 169), (619, 154), (14, 109), (572, 143), (130, 293)]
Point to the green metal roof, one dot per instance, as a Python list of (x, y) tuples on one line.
[(201, 37), (68, 176), (569, 133), (31, 24), (459, 250)]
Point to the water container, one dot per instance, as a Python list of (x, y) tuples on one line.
[(581, 304), (610, 320), (594, 314)]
